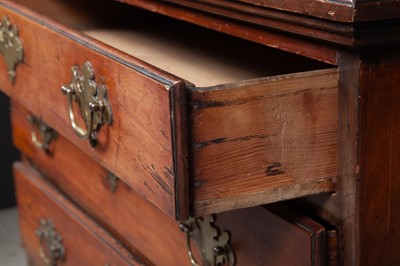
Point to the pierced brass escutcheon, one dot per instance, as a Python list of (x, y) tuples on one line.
[(10, 46), (41, 133), (213, 245), (51, 249), (92, 101)]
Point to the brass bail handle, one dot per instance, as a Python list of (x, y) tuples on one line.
[(92, 101), (213, 244), (80, 132), (51, 249), (46, 133), (186, 229)]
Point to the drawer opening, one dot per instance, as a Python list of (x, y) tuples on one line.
[(198, 55)]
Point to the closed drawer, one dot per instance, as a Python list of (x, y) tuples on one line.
[(274, 235), (131, 218), (186, 149), (55, 232)]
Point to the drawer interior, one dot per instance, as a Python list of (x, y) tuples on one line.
[(196, 54)]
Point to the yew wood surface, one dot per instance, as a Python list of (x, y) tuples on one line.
[(289, 236), (257, 234), (343, 11), (351, 34), (364, 207), (139, 146), (340, 208), (146, 146), (337, 10), (85, 242), (263, 141), (331, 10), (279, 24), (379, 168), (141, 226), (274, 18)]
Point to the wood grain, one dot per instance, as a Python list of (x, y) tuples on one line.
[(138, 146), (263, 141), (146, 146), (340, 208), (140, 225), (85, 242), (327, 22), (344, 11), (332, 10), (379, 180), (363, 208), (145, 230), (288, 236), (260, 15)]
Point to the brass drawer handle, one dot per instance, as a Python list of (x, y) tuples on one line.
[(91, 99), (10, 46), (51, 249), (41, 133), (213, 244)]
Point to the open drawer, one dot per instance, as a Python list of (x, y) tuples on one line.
[(251, 140)]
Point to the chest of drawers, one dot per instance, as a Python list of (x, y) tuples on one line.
[(134, 147)]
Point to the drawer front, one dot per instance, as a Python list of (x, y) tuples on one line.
[(259, 236), (139, 144), (283, 236), (54, 231), (231, 146), (138, 224)]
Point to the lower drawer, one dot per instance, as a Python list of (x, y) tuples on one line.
[(53, 230), (273, 235)]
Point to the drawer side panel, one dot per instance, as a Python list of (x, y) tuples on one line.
[(264, 141)]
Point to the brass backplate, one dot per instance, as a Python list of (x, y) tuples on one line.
[(213, 244), (42, 134), (51, 249), (10, 47), (92, 100)]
